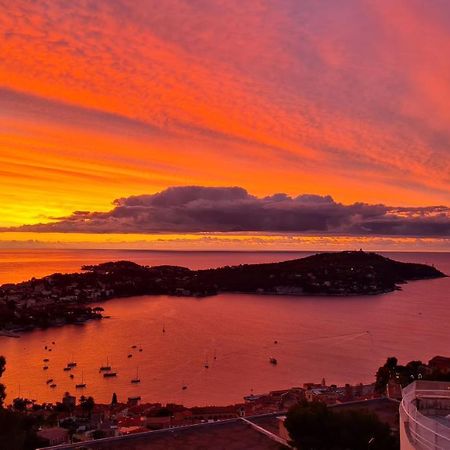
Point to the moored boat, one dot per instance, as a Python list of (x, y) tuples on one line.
[(110, 374), (81, 385), (136, 379), (106, 367)]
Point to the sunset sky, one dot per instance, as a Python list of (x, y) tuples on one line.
[(225, 123)]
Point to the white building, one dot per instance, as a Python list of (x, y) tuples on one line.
[(425, 416)]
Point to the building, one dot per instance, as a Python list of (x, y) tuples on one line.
[(425, 416), (54, 436), (440, 364)]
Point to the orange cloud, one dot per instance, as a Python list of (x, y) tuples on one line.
[(121, 97)]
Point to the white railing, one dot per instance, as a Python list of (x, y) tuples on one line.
[(424, 432)]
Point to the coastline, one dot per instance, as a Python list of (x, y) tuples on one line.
[(61, 299)]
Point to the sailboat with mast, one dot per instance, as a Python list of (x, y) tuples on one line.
[(136, 379), (106, 367), (82, 384)]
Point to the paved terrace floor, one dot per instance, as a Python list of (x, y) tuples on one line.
[(226, 435)]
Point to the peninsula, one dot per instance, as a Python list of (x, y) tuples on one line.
[(64, 298)]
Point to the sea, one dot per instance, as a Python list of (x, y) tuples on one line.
[(167, 342)]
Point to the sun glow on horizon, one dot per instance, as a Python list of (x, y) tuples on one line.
[(219, 241)]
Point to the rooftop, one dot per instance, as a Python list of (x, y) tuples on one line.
[(233, 434)]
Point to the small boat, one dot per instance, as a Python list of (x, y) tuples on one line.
[(66, 369), (53, 385), (184, 387), (45, 368), (130, 355), (45, 347), (46, 360), (273, 361), (110, 374), (136, 379), (49, 349), (140, 349), (53, 342), (50, 380), (72, 363), (134, 346), (81, 385), (275, 342), (164, 329), (106, 367), (206, 365), (71, 376)]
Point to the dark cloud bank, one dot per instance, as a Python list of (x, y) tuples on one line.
[(228, 209)]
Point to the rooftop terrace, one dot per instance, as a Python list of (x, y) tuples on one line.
[(233, 434)]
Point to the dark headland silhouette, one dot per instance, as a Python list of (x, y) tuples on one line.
[(62, 298)]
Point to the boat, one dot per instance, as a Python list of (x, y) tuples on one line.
[(134, 346), (130, 355), (45, 368), (50, 380), (71, 376), (72, 363), (184, 387), (273, 361), (66, 369), (110, 374), (206, 364), (46, 360), (106, 367), (136, 379), (82, 384), (53, 385), (140, 349)]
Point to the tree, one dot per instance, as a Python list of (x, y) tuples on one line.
[(314, 426), (311, 426), (21, 404), (385, 373), (16, 429)]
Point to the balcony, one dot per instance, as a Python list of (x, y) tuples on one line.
[(425, 416)]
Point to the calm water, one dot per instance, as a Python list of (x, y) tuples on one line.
[(341, 339)]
